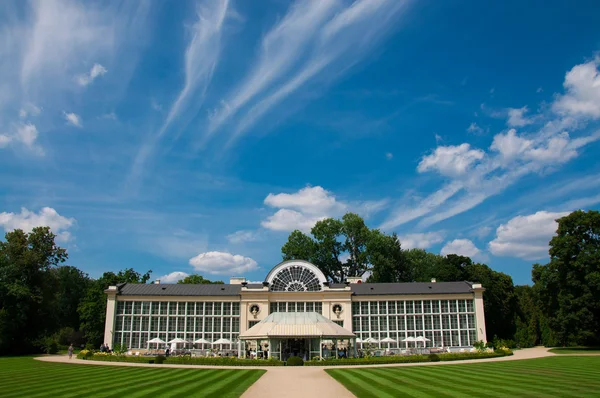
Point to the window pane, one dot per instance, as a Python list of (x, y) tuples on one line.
[(409, 307), (374, 308), (391, 307), (418, 307), (382, 307)]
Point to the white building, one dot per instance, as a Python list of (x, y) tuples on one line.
[(446, 314)]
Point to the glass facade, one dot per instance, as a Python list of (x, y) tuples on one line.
[(136, 322), (446, 323), (296, 306)]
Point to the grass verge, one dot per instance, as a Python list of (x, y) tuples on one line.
[(542, 377), (26, 377)]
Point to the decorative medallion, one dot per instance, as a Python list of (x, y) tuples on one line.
[(337, 309), (254, 309)]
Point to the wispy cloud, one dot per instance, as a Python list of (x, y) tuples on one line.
[(475, 175), (313, 36), (72, 119), (87, 78), (201, 57)]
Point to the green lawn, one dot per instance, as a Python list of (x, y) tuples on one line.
[(26, 377), (575, 350), (544, 377)]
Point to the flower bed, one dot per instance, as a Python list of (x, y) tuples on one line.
[(180, 360), (407, 359)]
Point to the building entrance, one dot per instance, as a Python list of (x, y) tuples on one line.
[(294, 347)]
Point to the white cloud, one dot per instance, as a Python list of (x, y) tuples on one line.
[(582, 91), (222, 263), (109, 116), (302, 209), (462, 247), (526, 237), (173, 277), (474, 128), (420, 240), (87, 78), (311, 200), (482, 232), (289, 220), (243, 236), (510, 146), (47, 217), (73, 119), (451, 161), (24, 134), (539, 90), (389, 156), (517, 118)]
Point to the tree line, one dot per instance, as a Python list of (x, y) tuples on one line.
[(46, 305)]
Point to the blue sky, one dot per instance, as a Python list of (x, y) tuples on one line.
[(194, 136)]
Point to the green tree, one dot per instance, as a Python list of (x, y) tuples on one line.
[(356, 235), (569, 285), (527, 317), (327, 234), (387, 258), (92, 309), (27, 288), (196, 279), (422, 265), (299, 246), (498, 298), (71, 288)]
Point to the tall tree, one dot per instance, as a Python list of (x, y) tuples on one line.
[(327, 234), (196, 279), (498, 298), (356, 234), (569, 286), (71, 288), (27, 288), (388, 260), (92, 309), (423, 265), (299, 246)]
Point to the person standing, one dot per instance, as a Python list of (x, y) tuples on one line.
[(70, 351)]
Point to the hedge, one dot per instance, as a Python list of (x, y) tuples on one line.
[(406, 359), (233, 361)]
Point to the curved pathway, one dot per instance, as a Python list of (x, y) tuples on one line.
[(306, 381)]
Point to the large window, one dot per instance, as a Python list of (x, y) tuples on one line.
[(296, 306), (137, 322), (445, 323), (295, 278)]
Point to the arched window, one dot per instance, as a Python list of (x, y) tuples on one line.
[(295, 278)]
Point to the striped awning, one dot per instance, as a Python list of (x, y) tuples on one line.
[(296, 324)]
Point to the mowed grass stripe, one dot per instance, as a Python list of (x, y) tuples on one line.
[(470, 387), (42, 379), (552, 376), (97, 382), (132, 381), (236, 378), (52, 378), (410, 386), (351, 383), (160, 387), (503, 382)]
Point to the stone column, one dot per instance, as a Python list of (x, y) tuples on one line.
[(479, 312), (111, 303)]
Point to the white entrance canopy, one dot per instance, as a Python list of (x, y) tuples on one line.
[(295, 324)]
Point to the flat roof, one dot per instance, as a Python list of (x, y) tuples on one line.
[(357, 289)]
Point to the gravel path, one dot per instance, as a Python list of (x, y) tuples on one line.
[(308, 381)]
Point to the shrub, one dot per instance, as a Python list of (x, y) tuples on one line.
[(160, 359), (434, 357), (85, 354), (479, 345), (295, 361), (48, 344)]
